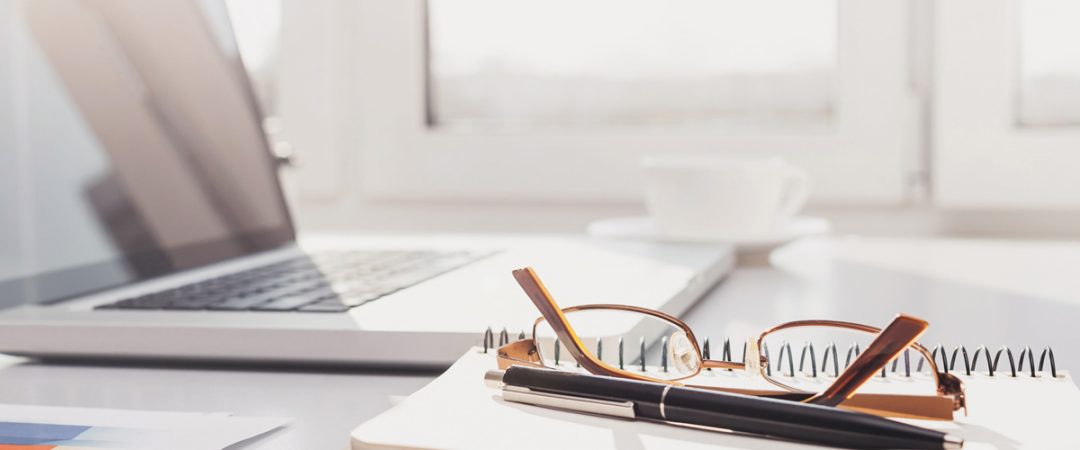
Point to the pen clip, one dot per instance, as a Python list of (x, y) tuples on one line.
[(569, 402)]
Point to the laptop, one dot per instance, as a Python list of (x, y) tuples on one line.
[(142, 219)]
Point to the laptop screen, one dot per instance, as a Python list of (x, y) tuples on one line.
[(131, 146)]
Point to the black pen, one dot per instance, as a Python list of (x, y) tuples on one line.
[(632, 399)]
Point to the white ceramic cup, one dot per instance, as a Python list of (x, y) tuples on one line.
[(718, 198)]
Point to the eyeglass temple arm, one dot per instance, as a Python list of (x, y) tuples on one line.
[(900, 334), (541, 298)]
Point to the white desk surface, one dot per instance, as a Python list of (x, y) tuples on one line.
[(972, 292)]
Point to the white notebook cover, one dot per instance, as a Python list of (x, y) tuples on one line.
[(458, 411)]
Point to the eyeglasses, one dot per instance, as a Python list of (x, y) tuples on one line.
[(675, 341)]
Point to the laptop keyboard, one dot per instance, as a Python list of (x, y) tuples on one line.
[(318, 282)]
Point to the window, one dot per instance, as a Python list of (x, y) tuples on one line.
[(742, 64), (429, 102), (1005, 106), (1049, 65)]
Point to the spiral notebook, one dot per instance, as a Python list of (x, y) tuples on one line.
[(1016, 407)]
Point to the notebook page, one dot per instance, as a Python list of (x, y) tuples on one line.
[(458, 411)]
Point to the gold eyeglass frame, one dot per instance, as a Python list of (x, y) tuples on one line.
[(889, 342)]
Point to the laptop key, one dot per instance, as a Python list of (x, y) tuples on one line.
[(241, 303), (194, 303), (149, 302), (290, 302)]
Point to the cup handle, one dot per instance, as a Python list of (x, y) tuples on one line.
[(796, 191)]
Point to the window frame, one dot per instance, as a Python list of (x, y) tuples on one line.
[(982, 158), (381, 118)]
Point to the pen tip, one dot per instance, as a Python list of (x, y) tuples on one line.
[(494, 378), (953, 442)]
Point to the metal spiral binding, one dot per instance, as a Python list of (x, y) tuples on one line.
[(726, 353), (831, 348), (967, 361), (1031, 360), (907, 363), (785, 347), (990, 366), (944, 367), (852, 350), (642, 345), (1012, 363), (1053, 365), (946, 361), (813, 358), (620, 353), (921, 360), (705, 353), (489, 340), (764, 351), (663, 353)]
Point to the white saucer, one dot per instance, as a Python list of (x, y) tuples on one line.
[(643, 227)]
